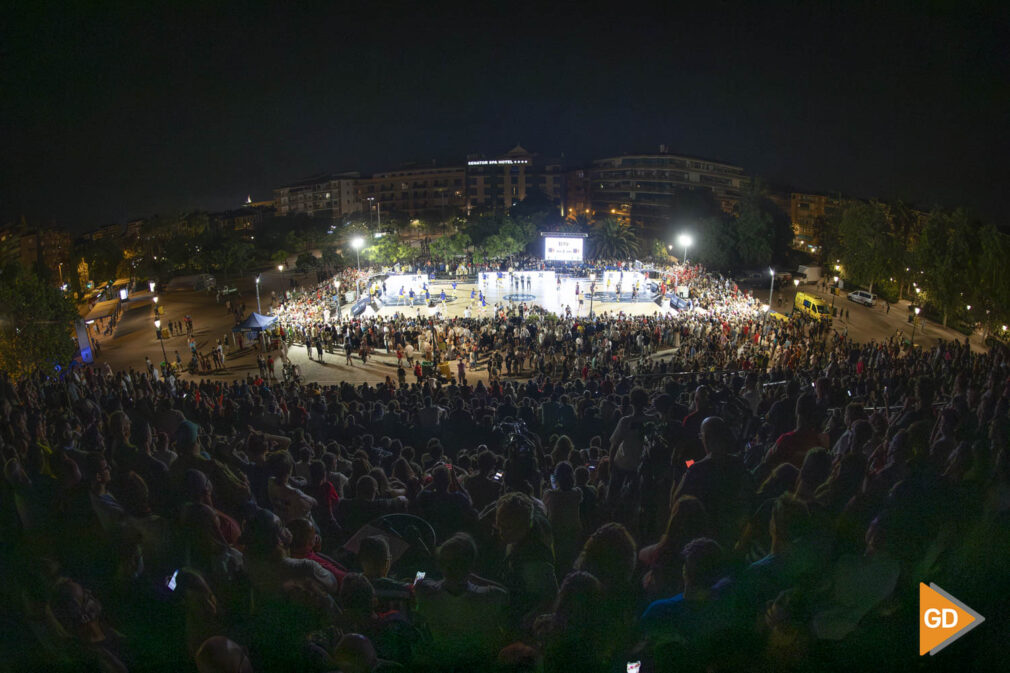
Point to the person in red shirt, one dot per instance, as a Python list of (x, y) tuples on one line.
[(306, 543), (322, 489), (792, 447)]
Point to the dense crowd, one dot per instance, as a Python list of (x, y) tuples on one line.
[(759, 495), (724, 328)]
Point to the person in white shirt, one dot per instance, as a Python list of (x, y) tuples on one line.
[(627, 443)]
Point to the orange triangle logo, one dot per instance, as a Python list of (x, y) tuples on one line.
[(942, 619)]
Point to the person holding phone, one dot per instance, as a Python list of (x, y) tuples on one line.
[(483, 486)]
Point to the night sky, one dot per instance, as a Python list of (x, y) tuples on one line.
[(108, 114)]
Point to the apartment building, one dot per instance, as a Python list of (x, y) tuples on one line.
[(331, 195), (414, 191), (39, 248), (805, 210), (578, 198), (643, 189)]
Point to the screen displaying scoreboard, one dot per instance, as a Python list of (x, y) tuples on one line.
[(563, 249)]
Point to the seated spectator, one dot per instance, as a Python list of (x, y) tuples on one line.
[(562, 503), (444, 504), (529, 562), (88, 640), (393, 636), (354, 653), (482, 486), (154, 533), (199, 489), (689, 621), (589, 506), (206, 548), (203, 617), (610, 555), (816, 469), (575, 634), (719, 480), (220, 655), (464, 614), (353, 513), (792, 447), (270, 567), (662, 561), (288, 502), (232, 489), (374, 558), (792, 558), (105, 505), (307, 544)]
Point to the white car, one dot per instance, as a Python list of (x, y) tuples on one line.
[(863, 297)]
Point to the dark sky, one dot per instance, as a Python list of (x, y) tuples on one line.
[(110, 111)]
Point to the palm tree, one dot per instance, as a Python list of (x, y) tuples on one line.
[(613, 240)]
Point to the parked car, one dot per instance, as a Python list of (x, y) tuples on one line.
[(863, 297)]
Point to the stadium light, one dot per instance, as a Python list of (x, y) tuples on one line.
[(685, 241)]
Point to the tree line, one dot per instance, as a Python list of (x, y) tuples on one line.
[(946, 261)]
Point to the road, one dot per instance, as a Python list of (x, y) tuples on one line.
[(867, 323)]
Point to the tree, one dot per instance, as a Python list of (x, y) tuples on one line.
[(448, 248), (948, 253), (868, 249), (612, 240), (102, 257), (307, 262), (993, 295), (754, 235), (716, 245), (35, 323), (660, 251), (764, 233), (332, 259), (388, 251)]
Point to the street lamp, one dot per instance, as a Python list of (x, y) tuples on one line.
[(771, 289), (157, 328), (259, 309), (357, 243), (915, 322), (150, 285), (280, 267), (155, 300), (685, 241)]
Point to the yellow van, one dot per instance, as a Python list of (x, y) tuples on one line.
[(812, 306)]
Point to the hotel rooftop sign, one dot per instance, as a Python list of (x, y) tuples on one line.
[(497, 162)]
